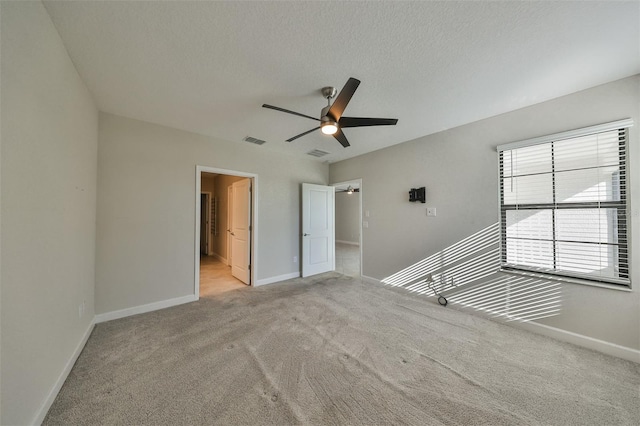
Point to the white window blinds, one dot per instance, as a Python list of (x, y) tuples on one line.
[(563, 204)]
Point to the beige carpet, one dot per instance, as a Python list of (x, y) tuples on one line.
[(333, 350)]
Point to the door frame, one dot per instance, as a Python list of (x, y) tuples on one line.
[(254, 221), (361, 213)]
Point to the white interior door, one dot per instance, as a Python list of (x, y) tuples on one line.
[(241, 230), (318, 229)]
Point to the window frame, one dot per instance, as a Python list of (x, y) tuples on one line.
[(622, 208)]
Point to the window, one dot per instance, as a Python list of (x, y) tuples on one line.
[(563, 204)]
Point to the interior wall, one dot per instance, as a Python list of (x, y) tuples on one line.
[(459, 168), (348, 217), (49, 165), (220, 243), (146, 208)]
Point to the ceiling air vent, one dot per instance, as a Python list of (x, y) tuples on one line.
[(317, 153), (254, 140)]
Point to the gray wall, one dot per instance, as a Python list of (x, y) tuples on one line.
[(348, 217), (49, 165), (146, 208), (459, 168)]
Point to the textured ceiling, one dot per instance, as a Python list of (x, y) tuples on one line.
[(207, 67)]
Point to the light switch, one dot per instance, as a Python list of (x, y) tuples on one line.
[(431, 211), (366, 213), (365, 224)]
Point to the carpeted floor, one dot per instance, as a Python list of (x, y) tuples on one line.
[(333, 350)]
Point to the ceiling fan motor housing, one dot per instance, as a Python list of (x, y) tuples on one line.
[(329, 92)]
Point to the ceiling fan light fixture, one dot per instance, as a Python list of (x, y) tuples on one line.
[(329, 127)]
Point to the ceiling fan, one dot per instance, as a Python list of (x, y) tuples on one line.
[(331, 120), (350, 190)]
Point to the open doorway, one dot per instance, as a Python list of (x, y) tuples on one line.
[(348, 218), (225, 230)]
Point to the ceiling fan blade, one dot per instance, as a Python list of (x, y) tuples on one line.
[(302, 134), (362, 122), (338, 106), (341, 138), (288, 111)]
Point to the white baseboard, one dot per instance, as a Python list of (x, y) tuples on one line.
[(351, 243), (279, 278), (582, 340), (220, 258), (46, 405), (108, 316)]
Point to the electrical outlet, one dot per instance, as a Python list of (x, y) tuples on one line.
[(365, 224), (431, 211), (295, 259), (366, 213)]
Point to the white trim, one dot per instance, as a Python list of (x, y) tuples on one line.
[(278, 278), (141, 309), (351, 243), (568, 134), (254, 222), (608, 348), (46, 405), (566, 279)]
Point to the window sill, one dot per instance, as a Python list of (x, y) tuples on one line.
[(620, 287)]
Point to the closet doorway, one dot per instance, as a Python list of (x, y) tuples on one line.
[(225, 230)]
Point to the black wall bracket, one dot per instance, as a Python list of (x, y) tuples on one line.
[(418, 194)]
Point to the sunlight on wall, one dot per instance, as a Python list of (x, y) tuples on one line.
[(467, 260), (468, 271)]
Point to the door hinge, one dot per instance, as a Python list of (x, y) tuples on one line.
[(249, 267), (249, 227)]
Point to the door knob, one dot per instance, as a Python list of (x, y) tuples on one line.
[(305, 234)]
